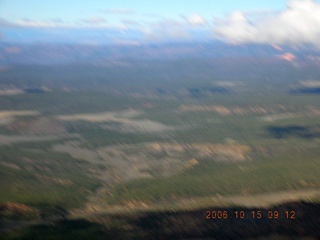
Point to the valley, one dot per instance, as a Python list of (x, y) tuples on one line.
[(89, 154)]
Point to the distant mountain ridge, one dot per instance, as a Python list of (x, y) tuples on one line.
[(59, 53)]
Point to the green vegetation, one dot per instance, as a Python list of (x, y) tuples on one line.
[(126, 159), (297, 170), (77, 229), (43, 178), (96, 136), (67, 102)]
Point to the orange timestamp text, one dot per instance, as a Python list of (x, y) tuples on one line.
[(249, 214)]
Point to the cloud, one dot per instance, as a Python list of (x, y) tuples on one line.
[(57, 20), (130, 22), (94, 20), (287, 56), (298, 24), (277, 47), (167, 29), (310, 83), (29, 23), (195, 19), (55, 23), (32, 23), (191, 28), (166, 34), (5, 23)]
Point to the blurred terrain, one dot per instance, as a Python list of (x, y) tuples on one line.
[(137, 139)]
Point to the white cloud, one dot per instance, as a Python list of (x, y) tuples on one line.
[(299, 23), (5, 23), (30, 23), (184, 28), (130, 22), (94, 20), (57, 20), (195, 19), (33, 23), (310, 83), (161, 34)]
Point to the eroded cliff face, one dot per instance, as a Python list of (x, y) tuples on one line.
[(295, 219)]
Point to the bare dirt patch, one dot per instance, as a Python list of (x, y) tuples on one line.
[(155, 159), (119, 121), (7, 117), (11, 91), (256, 200), (276, 117), (222, 110), (100, 117)]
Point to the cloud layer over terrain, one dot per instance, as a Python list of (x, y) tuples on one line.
[(299, 23)]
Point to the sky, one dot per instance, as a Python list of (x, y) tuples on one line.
[(114, 11), (133, 21)]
